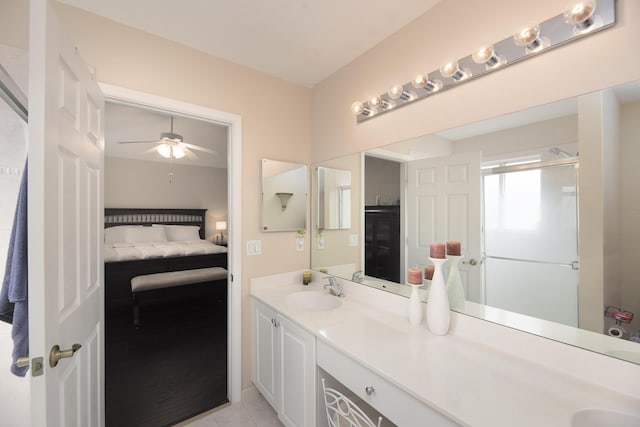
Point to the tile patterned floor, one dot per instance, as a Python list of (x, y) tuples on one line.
[(253, 411)]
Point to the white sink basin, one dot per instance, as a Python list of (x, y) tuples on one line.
[(603, 418), (313, 300)]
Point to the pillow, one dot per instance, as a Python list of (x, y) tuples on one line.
[(146, 234), (118, 233), (182, 233)]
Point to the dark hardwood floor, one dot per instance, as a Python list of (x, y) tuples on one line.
[(173, 367)]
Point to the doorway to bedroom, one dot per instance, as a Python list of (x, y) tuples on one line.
[(173, 363)]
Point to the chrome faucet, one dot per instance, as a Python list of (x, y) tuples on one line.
[(334, 287), (357, 276)]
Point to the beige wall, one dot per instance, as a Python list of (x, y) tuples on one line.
[(629, 210), (453, 29), (381, 178), (611, 201), (14, 23), (594, 135), (143, 184), (275, 120)]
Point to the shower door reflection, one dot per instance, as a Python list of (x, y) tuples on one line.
[(531, 241)]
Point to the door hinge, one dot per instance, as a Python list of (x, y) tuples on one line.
[(575, 265)]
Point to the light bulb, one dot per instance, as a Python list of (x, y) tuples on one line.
[(423, 82), (398, 92), (419, 81), (487, 55), (178, 152), (529, 37), (164, 150), (378, 102), (453, 70), (580, 14), (359, 108), (375, 102)]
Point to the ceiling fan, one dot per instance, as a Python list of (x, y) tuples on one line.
[(172, 146)]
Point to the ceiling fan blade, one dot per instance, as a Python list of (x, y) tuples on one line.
[(190, 154), (151, 150), (199, 148)]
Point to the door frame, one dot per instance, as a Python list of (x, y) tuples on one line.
[(233, 122)]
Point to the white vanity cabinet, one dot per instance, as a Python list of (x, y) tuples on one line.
[(393, 403), (284, 366)]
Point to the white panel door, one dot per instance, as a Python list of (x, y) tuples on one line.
[(66, 148), (443, 203)]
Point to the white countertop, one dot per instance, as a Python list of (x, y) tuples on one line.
[(470, 382)]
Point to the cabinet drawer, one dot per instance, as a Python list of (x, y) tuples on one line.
[(395, 404)]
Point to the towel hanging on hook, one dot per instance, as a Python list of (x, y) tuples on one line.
[(14, 292)]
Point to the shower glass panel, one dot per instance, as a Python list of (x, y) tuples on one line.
[(531, 242)]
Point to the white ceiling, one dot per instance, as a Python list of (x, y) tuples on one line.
[(301, 41)]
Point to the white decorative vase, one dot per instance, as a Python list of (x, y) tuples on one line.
[(438, 315), (415, 305), (455, 291)]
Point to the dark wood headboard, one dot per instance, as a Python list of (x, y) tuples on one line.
[(148, 216)]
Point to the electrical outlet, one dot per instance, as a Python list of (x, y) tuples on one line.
[(320, 242), (353, 240), (254, 247), (299, 244)]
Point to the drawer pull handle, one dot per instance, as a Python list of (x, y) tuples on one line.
[(369, 390)]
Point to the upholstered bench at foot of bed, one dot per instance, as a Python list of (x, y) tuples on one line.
[(171, 279)]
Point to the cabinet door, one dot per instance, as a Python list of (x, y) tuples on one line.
[(382, 242), (267, 356), (297, 372)]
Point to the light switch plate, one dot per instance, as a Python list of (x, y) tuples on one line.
[(254, 247), (353, 240)]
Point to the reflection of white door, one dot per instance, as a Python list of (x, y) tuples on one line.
[(65, 227), (443, 203)]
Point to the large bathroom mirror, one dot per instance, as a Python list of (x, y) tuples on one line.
[(334, 198), (543, 202), (284, 196)]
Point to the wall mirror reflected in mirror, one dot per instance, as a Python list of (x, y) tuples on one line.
[(542, 201), (284, 196), (334, 198)]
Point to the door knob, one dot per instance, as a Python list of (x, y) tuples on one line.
[(472, 261), (57, 354)]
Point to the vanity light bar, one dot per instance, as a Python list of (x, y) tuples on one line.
[(580, 19)]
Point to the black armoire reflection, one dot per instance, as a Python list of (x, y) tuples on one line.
[(382, 242)]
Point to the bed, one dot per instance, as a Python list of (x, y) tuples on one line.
[(147, 241)]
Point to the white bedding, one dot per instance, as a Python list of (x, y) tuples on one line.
[(125, 251)]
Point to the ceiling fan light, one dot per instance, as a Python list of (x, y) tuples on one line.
[(178, 152), (164, 150)]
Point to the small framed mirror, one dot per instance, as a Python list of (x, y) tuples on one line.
[(334, 199), (284, 196)]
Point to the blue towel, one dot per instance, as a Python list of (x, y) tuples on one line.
[(13, 296)]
